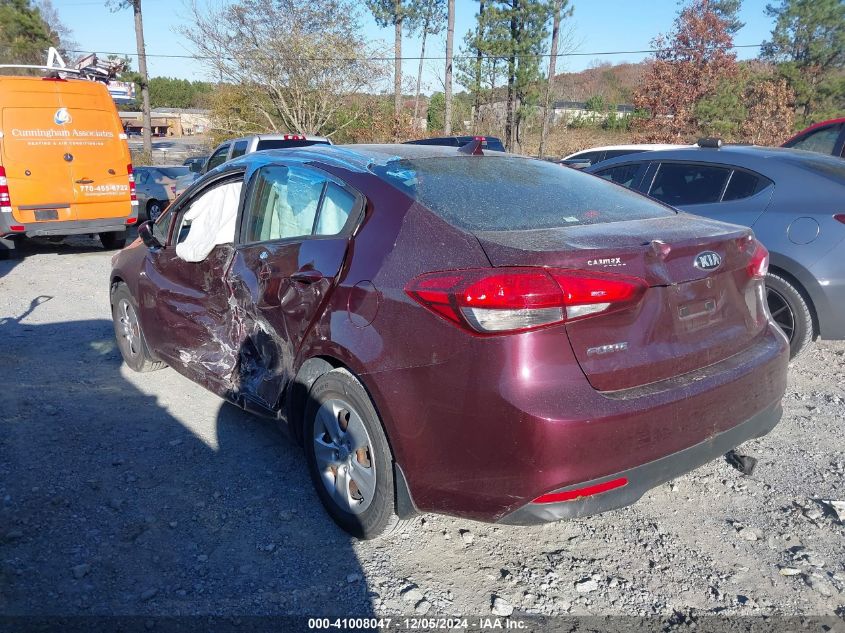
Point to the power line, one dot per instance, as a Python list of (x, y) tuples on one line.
[(646, 51)]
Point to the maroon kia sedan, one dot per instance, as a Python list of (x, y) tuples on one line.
[(457, 331)]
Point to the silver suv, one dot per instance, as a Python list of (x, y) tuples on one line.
[(257, 142)]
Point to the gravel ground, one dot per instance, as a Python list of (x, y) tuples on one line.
[(124, 493)]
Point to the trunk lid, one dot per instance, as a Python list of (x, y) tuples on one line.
[(689, 317)]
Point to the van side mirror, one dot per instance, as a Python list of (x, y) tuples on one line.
[(145, 232)]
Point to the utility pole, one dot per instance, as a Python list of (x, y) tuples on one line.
[(450, 37), (145, 79)]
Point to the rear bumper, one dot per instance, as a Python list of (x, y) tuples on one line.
[(72, 227), (642, 478)]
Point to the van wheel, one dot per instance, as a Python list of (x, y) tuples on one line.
[(7, 248), (154, 209), (127, 331), (113, 240), (791, 312), (348, 456)]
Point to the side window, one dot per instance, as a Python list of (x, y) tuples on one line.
[(616, 153), (624, 175), (283, 203), (218, 158), (141, 177), (162, 226), (209, 219), (822, 140), (338, 204), (680, 184), (593, 157), (744, 184), (239, 149)]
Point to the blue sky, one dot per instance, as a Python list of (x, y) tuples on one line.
[(597, 26)]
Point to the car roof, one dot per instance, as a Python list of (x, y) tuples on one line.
[(277, 137), (753, 157), (815, 126), (358, 157), (633, 146)]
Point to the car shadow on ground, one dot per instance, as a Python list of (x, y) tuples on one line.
[(111, 505)]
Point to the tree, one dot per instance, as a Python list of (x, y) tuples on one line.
[(428, 17), (559, 11), (518, 29), (808, 44), (450, 38), (24, 35), (61, 33), (293, 63), (689, 64), (728, 10), (117, 5), (393, 13), (436, 111)]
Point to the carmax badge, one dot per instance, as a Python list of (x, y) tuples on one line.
[(708, 260)]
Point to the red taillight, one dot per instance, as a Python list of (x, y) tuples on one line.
[(5, 198), (587, 491), (293, 137), (19, 228), (131, 220), (132, 194), (498, 300), (759, 264), (839, 217)]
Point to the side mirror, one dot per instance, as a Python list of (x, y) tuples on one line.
[(145, 232)]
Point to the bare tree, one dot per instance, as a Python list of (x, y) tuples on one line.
[(450, 37), (144, 82), (428, 17), (559, 11), (290, 63)]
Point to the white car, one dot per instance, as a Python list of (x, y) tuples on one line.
[(587, 157)]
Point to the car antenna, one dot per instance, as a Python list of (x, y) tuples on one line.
[(473, 148)]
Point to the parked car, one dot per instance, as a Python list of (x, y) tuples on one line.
[(792, 200), (586, 158), (827, 137), (64, 162), (259, 142), (155, 187), (544, 345), (491, 143), (195, 163), (183, 182)]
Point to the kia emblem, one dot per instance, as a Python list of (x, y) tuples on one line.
[(708, 260)]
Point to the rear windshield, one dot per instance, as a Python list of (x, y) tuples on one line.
[(499, 193), (173, 172), (285, 144)]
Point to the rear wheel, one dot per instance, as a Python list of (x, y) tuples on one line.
[(127, 331), (113, 240), (154, 209), (348, 456), (791, 312)]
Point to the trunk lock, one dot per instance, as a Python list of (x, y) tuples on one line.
[(69, 157)]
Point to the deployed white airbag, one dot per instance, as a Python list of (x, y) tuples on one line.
[(213, 218)]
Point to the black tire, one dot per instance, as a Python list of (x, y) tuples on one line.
[(154, 209), (378, 517), (791, 311), (7, 248), (113, 240), (127, 331)]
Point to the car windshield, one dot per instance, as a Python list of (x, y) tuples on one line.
[(173, 172), (499, 193)]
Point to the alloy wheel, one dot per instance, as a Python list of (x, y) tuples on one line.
[(781, 312), (130, 331), (343, 452)]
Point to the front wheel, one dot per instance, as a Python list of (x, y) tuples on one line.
[(154, 209), (127, 331), (348, 456), (113, 240), (791, 312)]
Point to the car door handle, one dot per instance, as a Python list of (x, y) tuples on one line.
[(307, 276), (84, 181)]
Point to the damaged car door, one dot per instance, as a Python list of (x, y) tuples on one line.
[(184, 304), (295, 230)]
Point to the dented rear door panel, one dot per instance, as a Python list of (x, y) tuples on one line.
[(279, 290)]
